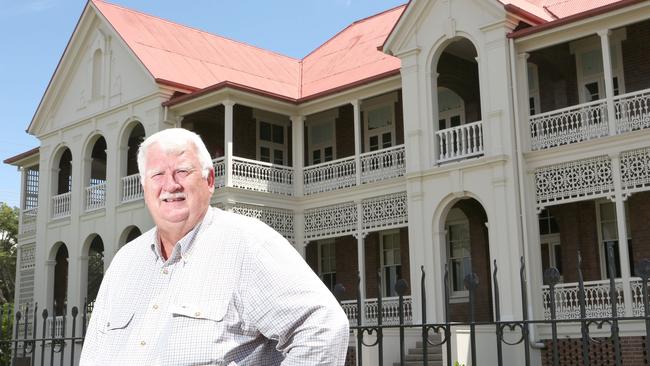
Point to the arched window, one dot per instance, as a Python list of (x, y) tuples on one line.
[(95, 268), (61, 280)]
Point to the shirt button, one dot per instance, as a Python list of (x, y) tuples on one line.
[(155, 307), (197, 314), (143, 343), (165, 271)]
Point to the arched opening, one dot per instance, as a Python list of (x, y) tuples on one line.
[(459, 128), (64, 177), (60, 280), (97, 74), (129, 234), (133, 143), (98, 162), (467, 251), (95, 268)]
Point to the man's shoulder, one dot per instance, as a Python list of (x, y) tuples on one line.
[(245, 229), (136, 248)]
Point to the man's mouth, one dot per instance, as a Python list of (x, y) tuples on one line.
[(173, 198)]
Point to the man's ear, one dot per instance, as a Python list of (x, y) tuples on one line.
[(210, 179)]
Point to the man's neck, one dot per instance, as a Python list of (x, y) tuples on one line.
[(169, 238)]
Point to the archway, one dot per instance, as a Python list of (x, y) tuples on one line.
[(95, 268), (60, 293)]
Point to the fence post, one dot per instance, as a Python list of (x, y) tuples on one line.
[(447, 317), (425, 332), (17, 326), (584, 329), (552, 277), (400, 287), (524, 308), (643, 270), (497, 314), (380, 332), (613, 296)]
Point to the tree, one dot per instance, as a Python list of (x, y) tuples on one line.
[(8, 240)]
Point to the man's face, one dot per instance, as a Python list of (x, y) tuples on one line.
[(174, 190)]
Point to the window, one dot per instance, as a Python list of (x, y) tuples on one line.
[(589, 66), (608, 234), (451, 109), (327, 262), (272, 147), (459, 255), (321, 138), (533, 89), (379, 122), (31, 188), (550, 242), (391, 261), (547, 223)]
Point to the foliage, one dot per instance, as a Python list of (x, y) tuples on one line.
[(458, 364), (8, 239)]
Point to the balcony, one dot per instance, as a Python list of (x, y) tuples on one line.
[(28, 220), (598, 302), (589, 121), (96, 196), (262, 177), (61, 205), (389, 315), (131, 188), (461, 142), (342, 173)]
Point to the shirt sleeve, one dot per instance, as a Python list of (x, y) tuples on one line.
[(91, 349), (285, 301)]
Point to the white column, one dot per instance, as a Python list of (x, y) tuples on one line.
[(357, 138), (609, 80), (298, 154), (228, 107), (361, 261), (523, 100), (621, 222)]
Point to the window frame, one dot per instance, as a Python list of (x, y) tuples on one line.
[(382, 101), (274, 120), (321, 273), (322, 118), (382, 260)]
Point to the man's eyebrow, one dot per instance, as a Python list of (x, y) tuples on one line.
[(151, 172)]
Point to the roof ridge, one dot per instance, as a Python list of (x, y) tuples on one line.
[(195, 29), (352, 24)]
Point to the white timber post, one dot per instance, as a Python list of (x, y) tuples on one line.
[(23, 183), (361, 261), (299, 233), (621, 222), (228, 107), (357, 139), (298, 138), (609, 81)]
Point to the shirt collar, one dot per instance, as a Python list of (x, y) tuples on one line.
[(183, 247)]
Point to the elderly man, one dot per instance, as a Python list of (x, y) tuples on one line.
[(207, 286)]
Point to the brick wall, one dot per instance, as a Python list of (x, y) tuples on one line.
[(601, 352), (345, 132), (399, 120), (639, 222), (635, 51), (209, 124), (346, 263)]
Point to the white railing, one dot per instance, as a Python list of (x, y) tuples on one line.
[(390, 313), (57, 322), (61, 205), (96, 196), (262, 177), (383, 164), (460, 142), (28, 220), (330, 176), (219, 172), (131, 188), (597, 300), (632, 111), (568, 125)]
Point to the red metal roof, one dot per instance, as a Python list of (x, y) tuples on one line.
[(201, 62)]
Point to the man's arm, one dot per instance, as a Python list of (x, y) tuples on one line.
[(285, 300)]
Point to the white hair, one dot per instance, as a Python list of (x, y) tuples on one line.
[(174, 140)]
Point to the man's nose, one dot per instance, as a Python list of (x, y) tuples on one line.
[(170, 184)]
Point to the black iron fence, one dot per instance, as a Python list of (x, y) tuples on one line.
[(40, 337)]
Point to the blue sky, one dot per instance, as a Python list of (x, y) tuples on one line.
[(34, 33)]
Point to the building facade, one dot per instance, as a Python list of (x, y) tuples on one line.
[(461, 134)]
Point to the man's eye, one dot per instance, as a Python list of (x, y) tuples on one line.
[(182, 172)]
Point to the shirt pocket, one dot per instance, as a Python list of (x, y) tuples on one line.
[(117, 321), (197, 333)]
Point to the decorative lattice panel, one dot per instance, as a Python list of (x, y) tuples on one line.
[(27, 257), (279, 219), (635, 168), (331, 221), (572, 180), (388, 210)]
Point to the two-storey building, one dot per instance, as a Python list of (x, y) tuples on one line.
[(458, 134)]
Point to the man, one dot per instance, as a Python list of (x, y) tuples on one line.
[(207, 286)]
